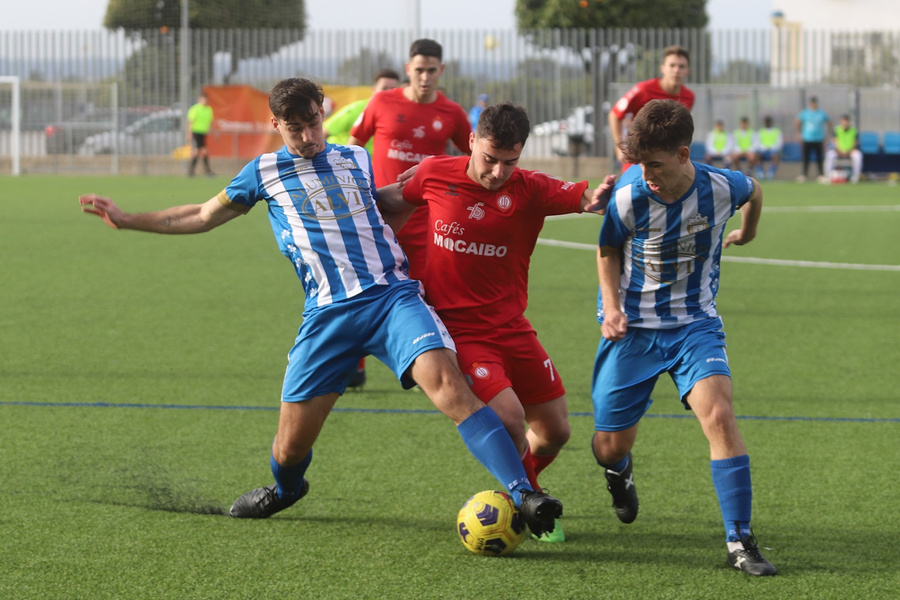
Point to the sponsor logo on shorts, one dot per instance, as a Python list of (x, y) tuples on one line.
[(422, 337), (717, 359)]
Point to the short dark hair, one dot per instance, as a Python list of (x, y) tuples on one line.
[(386, 74), (294, 98), (662, 125), (678, 51), (426, 47), (505, 124)]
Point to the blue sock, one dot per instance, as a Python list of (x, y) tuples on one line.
[(289, 479), (489, 442), (731, 478)]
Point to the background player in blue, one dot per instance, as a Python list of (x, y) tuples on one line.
[(658, 262), (321, 202)]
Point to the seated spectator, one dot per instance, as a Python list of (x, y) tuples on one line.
[(769, 143), (719, 145), (846, 145), (744, 146)]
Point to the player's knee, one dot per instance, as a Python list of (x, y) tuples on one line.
[(609, 448)]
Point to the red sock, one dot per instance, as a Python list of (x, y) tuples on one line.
[(528, 463), (541, 461), (362, 365)]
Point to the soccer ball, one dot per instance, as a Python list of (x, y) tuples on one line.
[(490, 524)]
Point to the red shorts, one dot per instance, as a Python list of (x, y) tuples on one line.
[(510, 356)]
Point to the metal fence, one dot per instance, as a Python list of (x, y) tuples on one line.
[(76, 85)]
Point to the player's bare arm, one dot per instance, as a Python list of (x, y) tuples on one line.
[(187, 218), (615, 322), (750, 213), (596, 200), (393, 208)]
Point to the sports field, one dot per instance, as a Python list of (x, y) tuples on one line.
[(139, 385)]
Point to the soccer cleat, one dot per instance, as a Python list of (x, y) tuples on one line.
[(540, 511), (552, 537), (749, 559), (264, 502), (624, 494), (358, 380)]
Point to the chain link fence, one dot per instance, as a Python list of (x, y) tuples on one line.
[(79, 86)]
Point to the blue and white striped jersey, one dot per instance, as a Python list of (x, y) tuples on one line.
[(323, 214), (671, 252)]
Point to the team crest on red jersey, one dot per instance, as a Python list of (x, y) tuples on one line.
[(437, 125), (504, 202)]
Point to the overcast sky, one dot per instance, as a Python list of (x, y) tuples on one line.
[(363, 14)]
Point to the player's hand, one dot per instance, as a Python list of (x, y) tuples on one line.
[(736, 237), (104, 208), (406, 175), (614, 326), (600, 197)]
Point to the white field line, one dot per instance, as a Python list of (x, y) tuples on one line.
[(780, 209), (750, 260)]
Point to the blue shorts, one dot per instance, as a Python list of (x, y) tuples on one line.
[(625, 372), (391, 322)]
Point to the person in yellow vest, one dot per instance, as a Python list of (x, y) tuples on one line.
[(769, 143), (846, 145), (200, 120), (744, 146), (719, 145)]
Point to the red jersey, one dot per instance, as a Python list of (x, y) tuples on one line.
[(645, 91), (405, 133), (480, 242)]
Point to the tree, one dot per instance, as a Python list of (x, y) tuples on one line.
[(610, 14), (596, 31), (535, 15), (143, 18)]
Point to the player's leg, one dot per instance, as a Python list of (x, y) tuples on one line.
[(830, 156), (316, 375), (413, 342), (703, 377), (195, 153), (625, 373), (299, 424), (856, 160)]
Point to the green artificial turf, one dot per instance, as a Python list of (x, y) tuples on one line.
[(139, 385)]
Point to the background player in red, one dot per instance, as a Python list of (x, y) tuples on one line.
[(411, 123), (675, 68), (485, 215)]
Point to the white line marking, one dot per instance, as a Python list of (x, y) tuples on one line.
[(779, 209), (750, 260)]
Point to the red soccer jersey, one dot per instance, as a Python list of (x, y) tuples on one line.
[(480, 242), (645, 91), (405, 132)]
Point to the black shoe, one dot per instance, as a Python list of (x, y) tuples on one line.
[(263, 502), (358, 380), (624, 494), (540, 511), (750, 560)]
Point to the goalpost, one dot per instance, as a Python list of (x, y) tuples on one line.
[(15, 144)]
